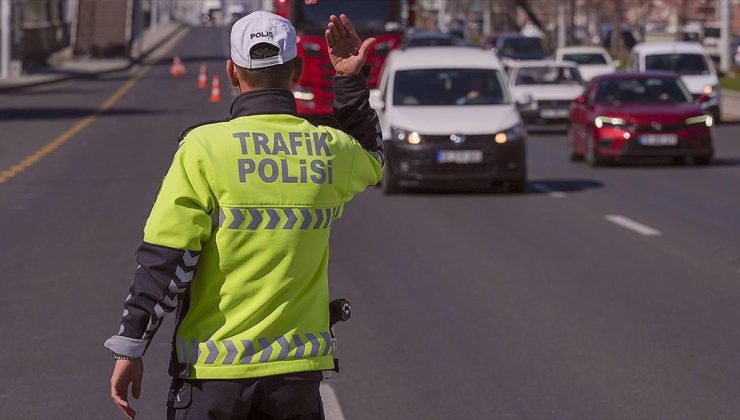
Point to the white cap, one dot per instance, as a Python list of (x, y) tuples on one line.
[(262, 27)]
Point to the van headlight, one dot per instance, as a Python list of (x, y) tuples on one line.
[(514, 133), (409, 136), (701, 119)]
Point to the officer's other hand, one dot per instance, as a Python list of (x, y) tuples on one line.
[(124, 373), (346, 50)]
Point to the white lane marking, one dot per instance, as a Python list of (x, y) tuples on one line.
[(547, 190), (632, 225), (332, 409)]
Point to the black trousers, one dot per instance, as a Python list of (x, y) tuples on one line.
[(282, 397)]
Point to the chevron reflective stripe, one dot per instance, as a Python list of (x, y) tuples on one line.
[(249, 352), (272, 218)]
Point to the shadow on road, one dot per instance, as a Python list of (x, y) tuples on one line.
[(534, 187), (546, 186), (9, 114)]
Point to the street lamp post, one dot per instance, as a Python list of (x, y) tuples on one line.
[(4, 38)]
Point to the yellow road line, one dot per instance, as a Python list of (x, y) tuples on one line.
[(66, 136)]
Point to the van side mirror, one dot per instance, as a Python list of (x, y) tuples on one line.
[(376, 100)]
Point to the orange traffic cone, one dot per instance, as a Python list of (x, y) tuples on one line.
[(202, 77), (177, 69), (215, 90)]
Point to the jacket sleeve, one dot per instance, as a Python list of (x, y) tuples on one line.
[(179, 223), (357, 119)]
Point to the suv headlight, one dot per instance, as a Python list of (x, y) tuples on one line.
[(514, 133), (601, 121), (701, 119), (409, 136)]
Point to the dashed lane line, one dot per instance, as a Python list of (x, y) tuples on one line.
[(332, 409), (632, 225), (67, 135), (547, 190)]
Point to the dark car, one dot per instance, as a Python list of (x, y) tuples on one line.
[(519, 47), (433, 39), (632, 115)]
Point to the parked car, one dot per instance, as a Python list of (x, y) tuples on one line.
[(632, 115), (591, 61), (544, 90), (690, 60), (448, 118)]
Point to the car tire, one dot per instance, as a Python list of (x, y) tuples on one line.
[(702, 160), (591, 157), (716, 115), (573, 156), (517, 186), (390, 183)]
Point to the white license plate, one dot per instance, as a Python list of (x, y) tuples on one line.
[(460, 156), (659, 140), (554, 113)]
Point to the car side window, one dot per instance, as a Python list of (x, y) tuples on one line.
[(591, 92)]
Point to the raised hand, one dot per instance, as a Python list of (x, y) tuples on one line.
[(346, 50)]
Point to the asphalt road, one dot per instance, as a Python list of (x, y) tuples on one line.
[(601, 293)]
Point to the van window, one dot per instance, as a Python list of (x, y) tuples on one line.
[(681, 63)]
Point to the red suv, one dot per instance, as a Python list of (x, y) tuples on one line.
[(623, 115)]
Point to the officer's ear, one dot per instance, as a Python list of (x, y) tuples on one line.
[(297, 70), (233, 73)]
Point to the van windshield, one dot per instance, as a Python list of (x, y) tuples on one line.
[(687, 64), (443, 87)]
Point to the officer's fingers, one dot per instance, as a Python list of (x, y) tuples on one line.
[(365, 47), (329, 38), (119, 398), (340, 26), (334, 32), (351, 31), (136, 389)]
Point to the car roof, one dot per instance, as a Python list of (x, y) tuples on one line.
[(436, 57), (429, 34), (668, 47), (638, 75), (541, 63), (577, 50)]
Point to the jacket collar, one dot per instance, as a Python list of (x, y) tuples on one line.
[(264, 101)]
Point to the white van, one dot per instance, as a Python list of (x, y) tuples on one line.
[(690, 60), (447, 117)]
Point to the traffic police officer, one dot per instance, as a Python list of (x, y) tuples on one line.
[(238, 237)]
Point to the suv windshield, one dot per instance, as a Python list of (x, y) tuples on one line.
[(443, 87), (551, 75), (642, 90), (522, 48), (585, 58), (679, 63), (368, 16)]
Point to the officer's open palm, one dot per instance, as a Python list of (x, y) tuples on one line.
[(346, 50)]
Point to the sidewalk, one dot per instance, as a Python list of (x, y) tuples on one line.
[(730, 105), (63, 66)]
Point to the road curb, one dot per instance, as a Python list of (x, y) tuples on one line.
[(72, 76)]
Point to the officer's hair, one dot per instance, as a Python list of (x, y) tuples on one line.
[(277, 76)]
